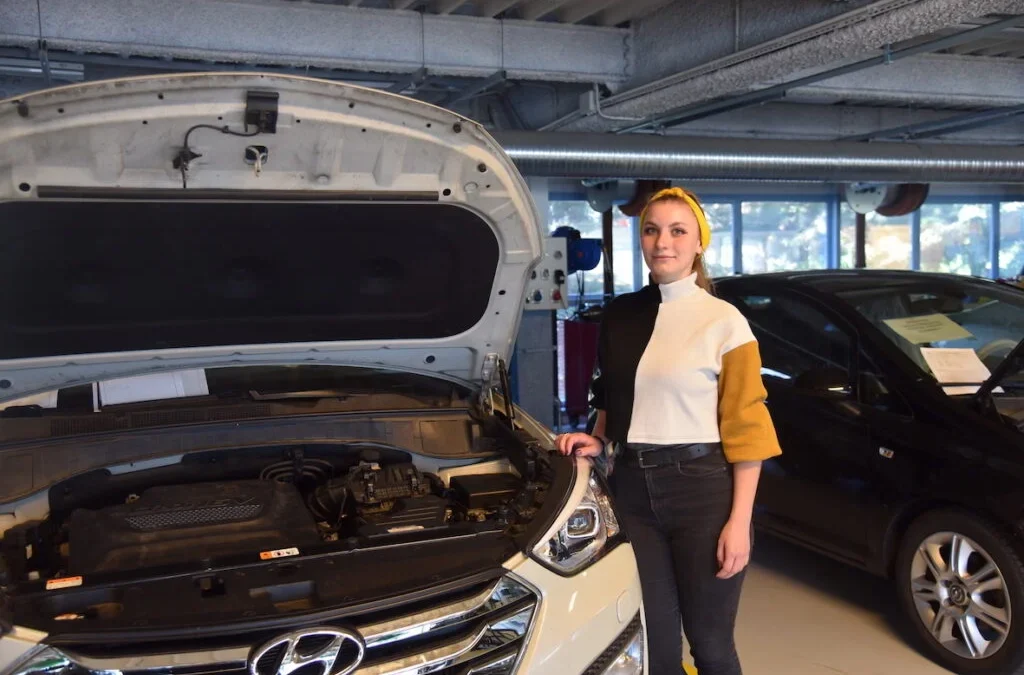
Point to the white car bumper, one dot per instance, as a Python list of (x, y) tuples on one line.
[(580, 617)]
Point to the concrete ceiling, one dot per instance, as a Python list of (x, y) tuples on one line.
[(590, 12), (748, 68), (1007, 44)]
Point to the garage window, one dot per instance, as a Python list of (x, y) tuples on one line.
[(578, 214), (888, 241), (780, 236), (1011, 239), (955, 238)]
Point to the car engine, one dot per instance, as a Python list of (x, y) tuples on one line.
[(168, 524), (297, 503)]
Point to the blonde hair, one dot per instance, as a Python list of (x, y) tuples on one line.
[(683, 196)]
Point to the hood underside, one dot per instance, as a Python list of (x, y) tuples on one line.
[(205, 220)]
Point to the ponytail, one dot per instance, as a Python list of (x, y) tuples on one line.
[(703, 278)]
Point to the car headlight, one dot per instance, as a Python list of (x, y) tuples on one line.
[(39, 660), (587, 534)]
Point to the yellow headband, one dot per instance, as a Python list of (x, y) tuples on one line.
[(698, 212)]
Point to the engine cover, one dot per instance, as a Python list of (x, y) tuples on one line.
[(179, 523), (408, 515), (397, 481)]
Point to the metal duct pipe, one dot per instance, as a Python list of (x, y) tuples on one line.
[(596, 155)]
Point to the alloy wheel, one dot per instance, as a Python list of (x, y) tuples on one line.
[(960, 595)]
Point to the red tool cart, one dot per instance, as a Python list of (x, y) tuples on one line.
[(580, 359)]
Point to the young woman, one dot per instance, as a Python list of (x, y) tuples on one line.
[(681, 397)]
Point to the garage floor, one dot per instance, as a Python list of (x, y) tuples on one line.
[(803, 614)]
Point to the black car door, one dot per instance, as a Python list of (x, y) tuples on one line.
[(818, 490)]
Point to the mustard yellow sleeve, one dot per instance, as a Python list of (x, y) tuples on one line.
[(744, 423)]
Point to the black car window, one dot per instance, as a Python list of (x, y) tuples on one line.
[(874, 388), (982, 316), (796, 339)]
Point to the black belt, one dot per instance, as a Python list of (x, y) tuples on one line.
[(672, 454)]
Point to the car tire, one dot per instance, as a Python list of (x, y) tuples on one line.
[(967, 607)]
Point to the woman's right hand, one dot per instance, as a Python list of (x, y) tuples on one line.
[(580, 444)]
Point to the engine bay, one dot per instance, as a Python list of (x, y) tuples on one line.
[(221, 508)]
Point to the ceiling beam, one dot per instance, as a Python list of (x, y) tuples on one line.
[(583, 10), (997, 47), (124, 66), (629, 10), (24, 67), (404, 4), (948, 125), (980, 121), (475, 89), (446, 6), (492, 8), (799, 121), (686, 114), (321, 35), (511, 113), (411, 80), (533, 10), (836, 41), (973, 23), (925, 81), (962, 50)]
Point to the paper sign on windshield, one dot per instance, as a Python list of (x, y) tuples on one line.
[(956, 366), (930, 328)]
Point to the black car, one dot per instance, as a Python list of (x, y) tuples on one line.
[(888, 469)]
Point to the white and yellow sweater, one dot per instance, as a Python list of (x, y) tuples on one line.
[(681, 366)]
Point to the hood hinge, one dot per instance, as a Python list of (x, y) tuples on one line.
[(489, 370), (488, 380), (494, 374)]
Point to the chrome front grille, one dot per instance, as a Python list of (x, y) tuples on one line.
[(482, 633)]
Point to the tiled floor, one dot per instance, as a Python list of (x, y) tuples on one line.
[(803, 614)]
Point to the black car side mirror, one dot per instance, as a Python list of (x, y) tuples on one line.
[(874, 392), (824, 382)]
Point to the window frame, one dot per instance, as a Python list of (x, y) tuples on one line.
[(830, 200), (997, 234), (833, 243), (994, 203), (592, 297)]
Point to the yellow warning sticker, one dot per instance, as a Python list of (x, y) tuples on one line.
[(65, 582), (279, 553)]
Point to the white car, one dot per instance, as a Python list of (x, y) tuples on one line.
[(252, 341)]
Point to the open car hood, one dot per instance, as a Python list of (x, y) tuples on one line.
[(377, 230)]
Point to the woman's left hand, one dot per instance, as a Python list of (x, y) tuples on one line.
[(733, 549)]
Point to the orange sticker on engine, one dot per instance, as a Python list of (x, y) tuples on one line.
[(279, 553), (65, 582)]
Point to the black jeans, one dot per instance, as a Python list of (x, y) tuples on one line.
[(674, 516)]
